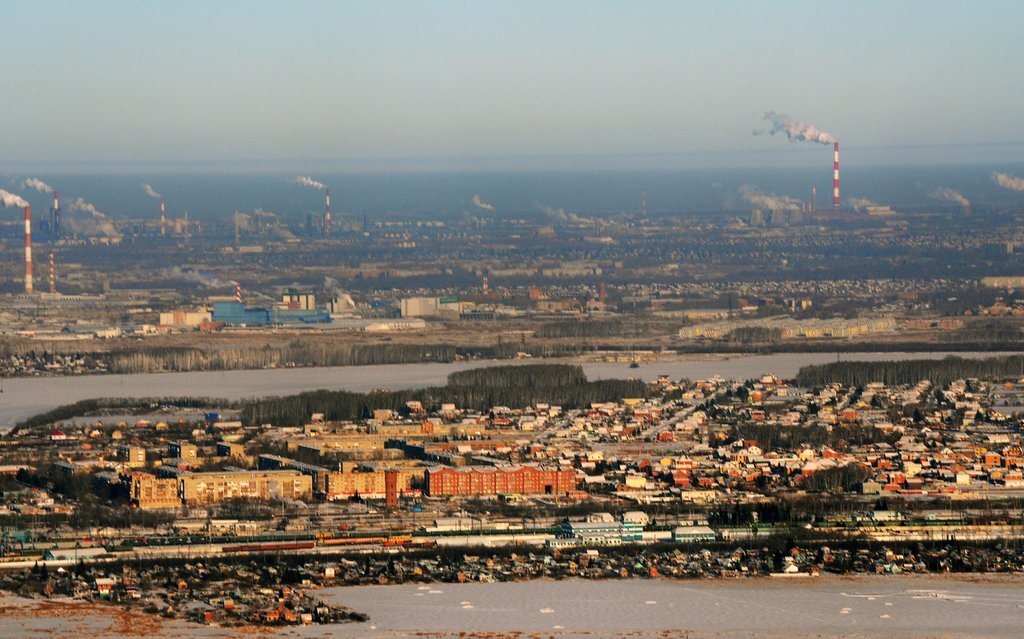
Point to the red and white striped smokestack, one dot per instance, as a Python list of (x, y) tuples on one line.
[(28, 250), (53, 274), (835, 178), (238, 293), (327, 215), (163, 219)]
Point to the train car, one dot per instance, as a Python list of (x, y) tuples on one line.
[(352, 541), (271, 546)]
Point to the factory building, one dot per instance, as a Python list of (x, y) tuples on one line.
[(432, 307), (300, 300), (237, 314), (495, 480), (181, 318)]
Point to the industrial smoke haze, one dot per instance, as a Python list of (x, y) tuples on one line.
[(39, 185), (79, 204), (310, 182), (949, 195), (10, 199), (150, 192), (769, 201), (480, 204), (98, 224), (198, 277), (1008, 181), (793, 130), (559, 214), (859, 203)]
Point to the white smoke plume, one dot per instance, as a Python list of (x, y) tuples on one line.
[(10, 199), (559, 214), (310, 182), (97, 225), (78, 204), (92, 227), (859, 203), (150, 192), (795, 131), (480, 204), (949, 195), (39, 185), (1008, 181), (209, 281), (769, 201)]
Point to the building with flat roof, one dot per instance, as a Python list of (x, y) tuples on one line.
[(499, 480), (148, 491), (214, 487), (131, 456)]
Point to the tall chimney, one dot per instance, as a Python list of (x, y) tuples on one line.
[(163, 219), (835, 179), (55, 222), (238, 292), (814, 199), (53, 274), (28, 250), (327, 215)]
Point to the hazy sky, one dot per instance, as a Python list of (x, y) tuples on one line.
[(207, 82)]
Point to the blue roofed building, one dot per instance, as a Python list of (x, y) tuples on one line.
[(237, 314)]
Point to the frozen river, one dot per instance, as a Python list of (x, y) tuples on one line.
[(23, 397), (891, 606), (862, 607)]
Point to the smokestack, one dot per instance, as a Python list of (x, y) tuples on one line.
[(327, 214), (55, 221), (835, 178), (53, 274), (485, 286), (814, 199), (28, 250), (238, 293), (643, 201), (163, 219)]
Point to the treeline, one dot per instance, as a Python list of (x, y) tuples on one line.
[(479, 389), (582, 328), (67, 411), (182, 359), (304, 353), (90, 406), (939, 372), (769, 436), (837, 479), (514, 376), (754, 335)]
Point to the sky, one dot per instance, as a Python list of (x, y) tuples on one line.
[(504, 84)]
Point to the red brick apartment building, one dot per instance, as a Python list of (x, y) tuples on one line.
[(495, 480)]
